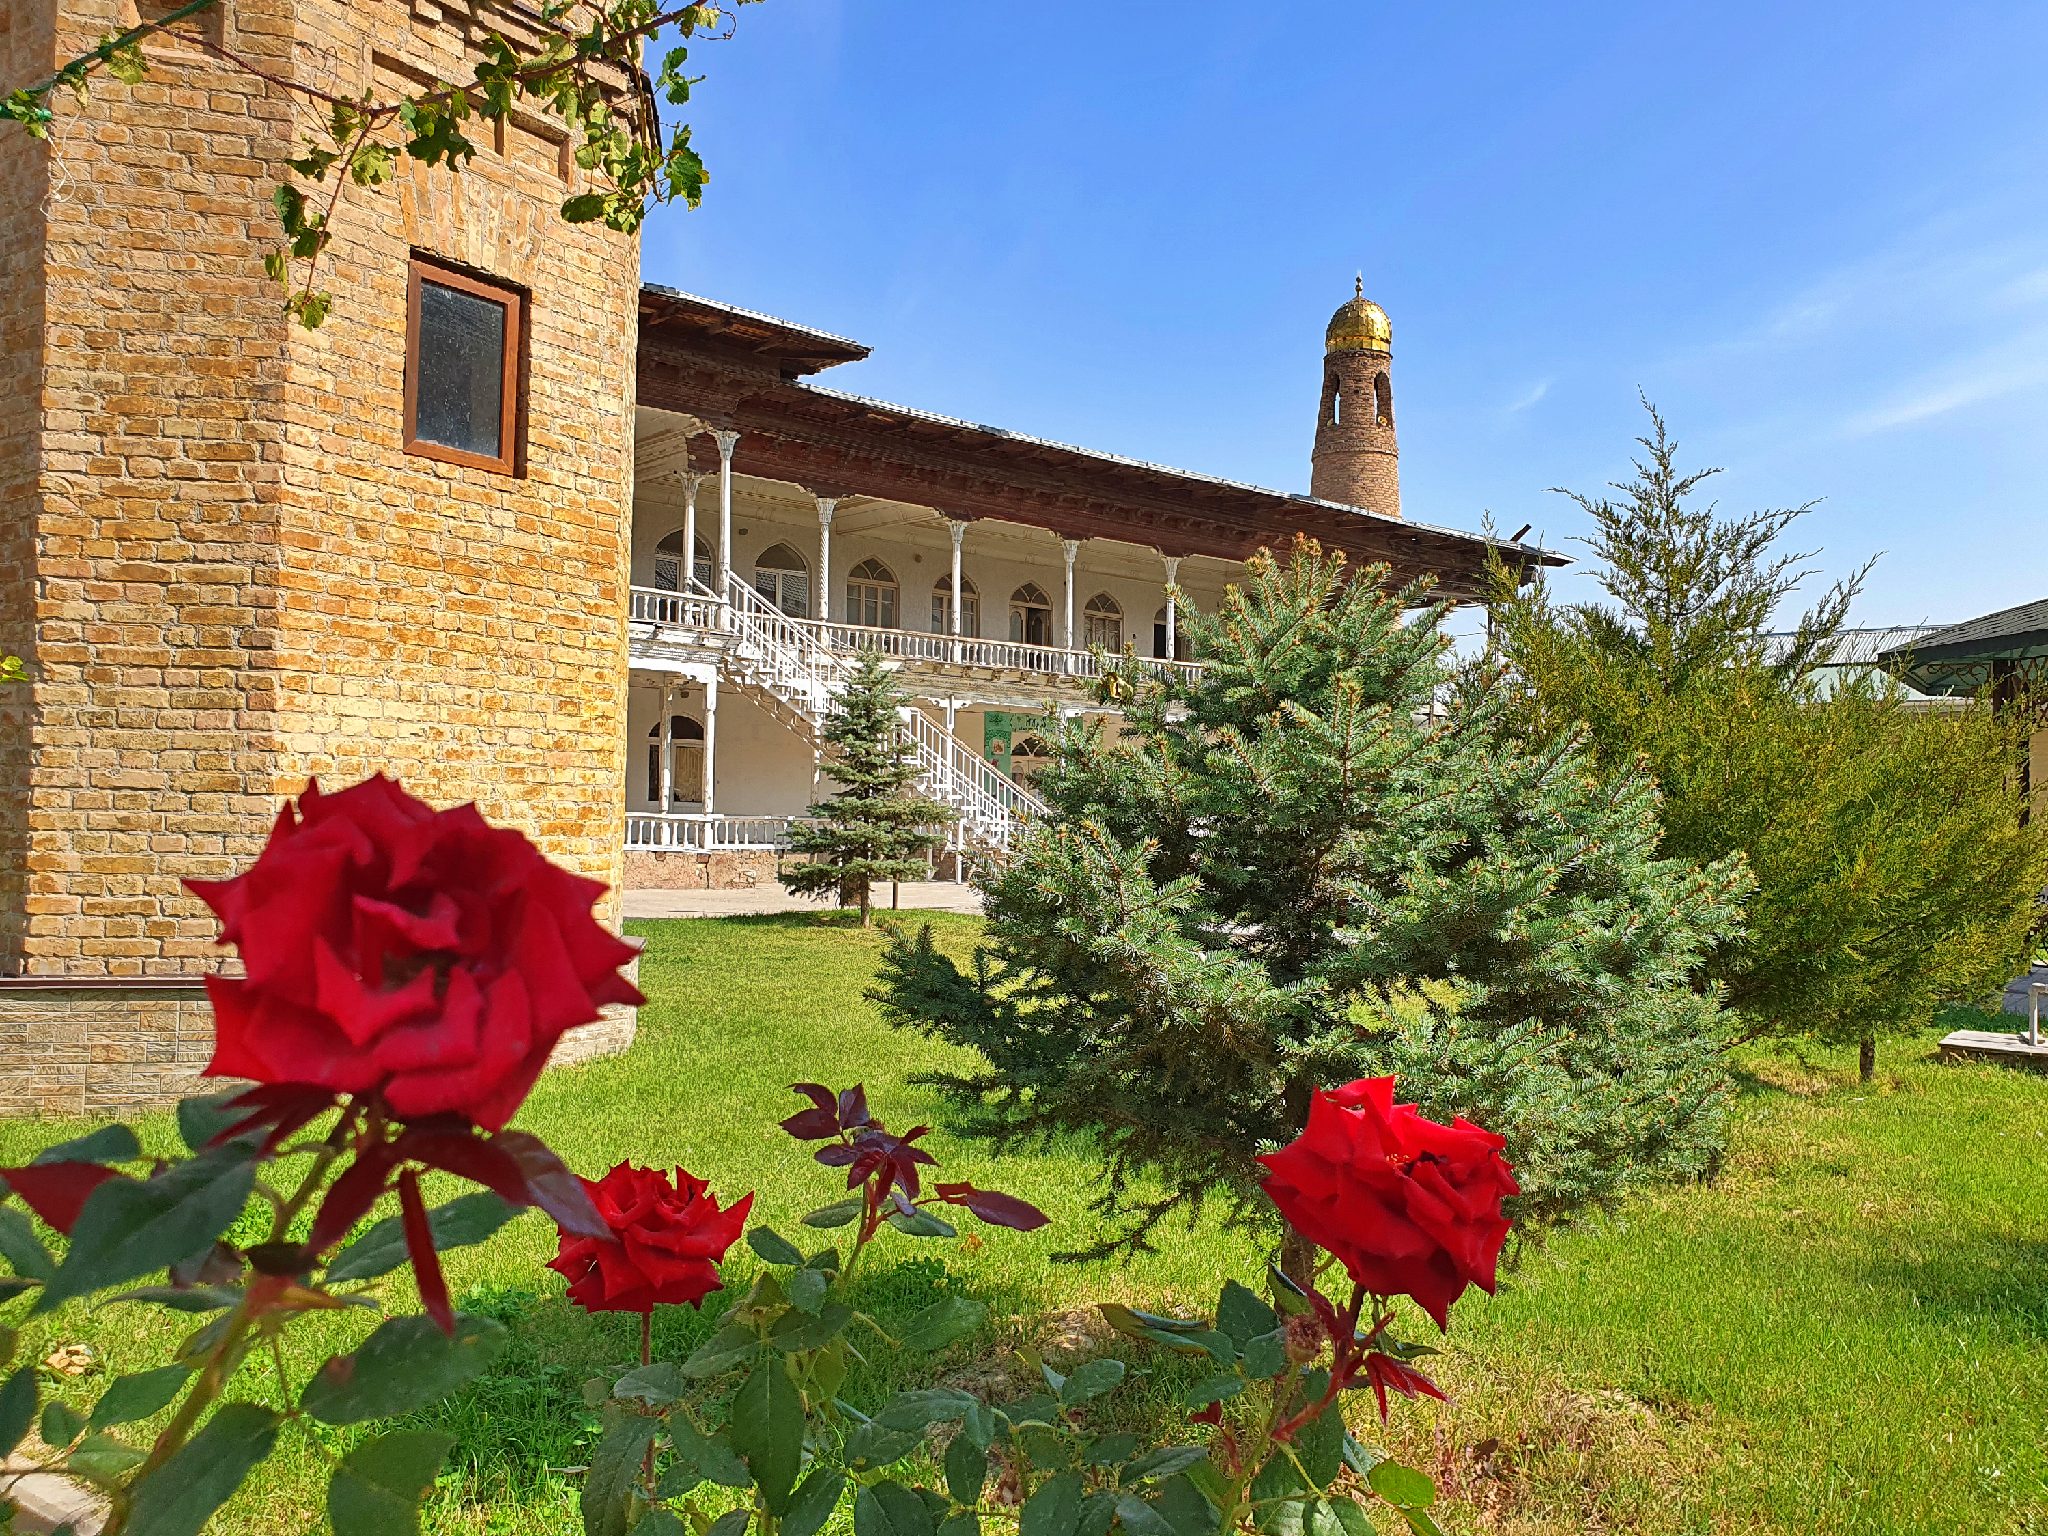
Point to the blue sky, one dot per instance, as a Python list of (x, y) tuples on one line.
[(1816, 235)]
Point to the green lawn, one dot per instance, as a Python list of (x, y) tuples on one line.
[(1849, 1333)]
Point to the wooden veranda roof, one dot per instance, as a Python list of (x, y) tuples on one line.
[(733, 368)]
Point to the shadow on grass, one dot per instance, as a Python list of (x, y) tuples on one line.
[(1977, 1277)]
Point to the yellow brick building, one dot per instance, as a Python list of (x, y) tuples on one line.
[(501, 527)]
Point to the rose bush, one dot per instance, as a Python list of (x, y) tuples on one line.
[(382, 938)]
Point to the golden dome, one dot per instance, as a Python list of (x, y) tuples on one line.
[(1359, 326)]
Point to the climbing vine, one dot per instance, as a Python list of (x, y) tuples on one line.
[(589, 64)]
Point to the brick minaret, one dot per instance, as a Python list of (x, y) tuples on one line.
[(1356, 461)]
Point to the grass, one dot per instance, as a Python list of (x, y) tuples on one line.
[(1848, 1333)]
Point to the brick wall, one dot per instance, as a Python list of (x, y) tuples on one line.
[(225, 571), (462, 628), (148, 575), (27, 50)]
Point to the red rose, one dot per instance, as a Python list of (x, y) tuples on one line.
[(1409, 1207), (420, 955), (666, 1242)]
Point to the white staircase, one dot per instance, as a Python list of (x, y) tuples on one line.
[(790, 668)]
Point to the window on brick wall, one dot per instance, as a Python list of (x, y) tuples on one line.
[(463, 379)]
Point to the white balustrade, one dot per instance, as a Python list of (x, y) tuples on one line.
[(689, 832), (817, 646)]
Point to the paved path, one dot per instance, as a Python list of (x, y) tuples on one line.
[(925, 895)]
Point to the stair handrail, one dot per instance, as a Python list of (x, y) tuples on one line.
[(797, 656)]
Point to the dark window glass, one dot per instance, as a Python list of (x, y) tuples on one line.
[(461, 371)]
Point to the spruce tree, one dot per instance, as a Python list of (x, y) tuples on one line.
[(1893, 872), (877, 827), (1326, 857)]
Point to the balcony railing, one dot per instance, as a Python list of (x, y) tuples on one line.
[(694, 832), (674, 610)]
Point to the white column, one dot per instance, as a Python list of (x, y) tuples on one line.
[(959, 532), (668, 749), (1072, 547), (1172, 607), (691, 480), (710, 742), (826, 506), (726, 441)]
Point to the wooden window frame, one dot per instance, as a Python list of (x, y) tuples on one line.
[(510, 459)]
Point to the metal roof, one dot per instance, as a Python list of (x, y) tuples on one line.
[(1960, 657)]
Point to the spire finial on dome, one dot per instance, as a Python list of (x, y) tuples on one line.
[(1358, 287)]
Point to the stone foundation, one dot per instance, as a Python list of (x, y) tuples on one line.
[(680, 871), (73, 1048), (86, 1048)]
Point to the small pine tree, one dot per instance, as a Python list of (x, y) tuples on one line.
[(1293, 870), (876, 827)]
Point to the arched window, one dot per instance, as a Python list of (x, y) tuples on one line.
[(1180, 633), (942, 607), (1029, 757), (688, 786), (1383, 399), (668, 562), (1336, 403), (1030, 615), (784, 579), (871, 595), (1102, 623)]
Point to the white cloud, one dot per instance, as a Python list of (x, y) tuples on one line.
[(1529, 397), (1967, 382)]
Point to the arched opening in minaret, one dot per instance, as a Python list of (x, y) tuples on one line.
[(1333, 404), (1383, 399)]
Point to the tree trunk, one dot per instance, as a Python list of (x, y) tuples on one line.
[(1866, 1059), (864, 903), (1297, 1253), (1297, 1258)]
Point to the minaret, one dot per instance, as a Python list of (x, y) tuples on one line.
[(1356, 461)]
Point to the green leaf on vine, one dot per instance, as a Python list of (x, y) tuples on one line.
[(614, 1474), (966, 1468), (130, 1227), (794, 1332), (942, 1323), (462, 1221), (837, 1214), (108, 1144), (405, 1365), (376, 1491), (773, 1247), (179, 1497), (731, 1346), (767, 1430), (1089, 1381), (1055, 1509), (22, 1249), (1403, 1487), (813, 1502), (137, 1397), (890, 1509), (17, 1407)]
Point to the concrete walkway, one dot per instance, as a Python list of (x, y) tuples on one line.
[(920, 895)]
